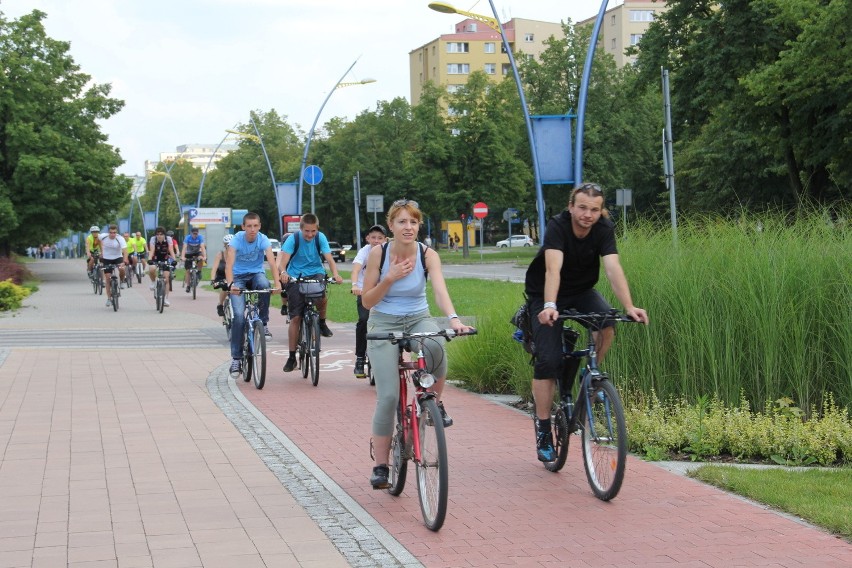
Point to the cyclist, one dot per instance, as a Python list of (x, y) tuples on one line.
[(395, 289), (376, 236), (218, 266), (193, 248), (136, 246), (114, 254), (244, 271), (562, 276), (301, 257), (131, 254), (160, 249), (93, 245)]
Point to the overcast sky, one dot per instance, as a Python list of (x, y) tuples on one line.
[(189, 69)]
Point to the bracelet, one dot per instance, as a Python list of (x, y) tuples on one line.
[(550, 305), (453, 316)]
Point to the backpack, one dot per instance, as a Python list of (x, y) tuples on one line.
[(298, 237), (422, 258)]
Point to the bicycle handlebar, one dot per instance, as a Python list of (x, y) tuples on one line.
[(396, 336)]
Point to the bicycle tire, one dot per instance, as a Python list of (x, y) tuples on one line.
[(604, 439), (314, 348), (128, 277), (432, 467), (138, 270), (228, 318), (160, 295), (305, 335), (193, 281), (114, 289), (248, 360), (100, 281), (399, 457), (94, 280), (258, 368), (559, 431)]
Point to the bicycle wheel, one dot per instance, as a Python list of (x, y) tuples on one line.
[(604, 440), (368, 369), (248, 351), (399, 457), (193, 281), (138, 271), (314, 348), (559, 430), (228, 318), (114, 289), (304, 341), (160, 295), (94, 279), (100, 281), (258, 365), (432, 469)]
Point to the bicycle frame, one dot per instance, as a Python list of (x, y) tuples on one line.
[(410, 411)]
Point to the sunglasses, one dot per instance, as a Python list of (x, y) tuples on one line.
[(404, 202), (590, 187)]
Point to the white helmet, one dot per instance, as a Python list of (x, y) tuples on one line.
[(227, 239), (94, 228)]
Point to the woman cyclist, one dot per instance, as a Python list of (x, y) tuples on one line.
[(219, 276)]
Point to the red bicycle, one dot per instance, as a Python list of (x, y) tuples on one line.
[(419, 433)]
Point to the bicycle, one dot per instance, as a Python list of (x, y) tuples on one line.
[(194, 276), (599, 414), (254, 338), (419, 431), (139, 270), (97, 274), (114, 286), (308, 344), (160, 287), (128, 276)]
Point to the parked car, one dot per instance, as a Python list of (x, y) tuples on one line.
[(276, 246), (338, 253), (516, 241)]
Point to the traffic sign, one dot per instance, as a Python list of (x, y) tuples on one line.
[(510, 214), (480, 210), (313, 175)]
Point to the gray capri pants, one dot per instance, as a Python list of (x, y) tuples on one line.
[(384, 359)]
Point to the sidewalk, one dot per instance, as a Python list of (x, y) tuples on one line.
[(137, 451)]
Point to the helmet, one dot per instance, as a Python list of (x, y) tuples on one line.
[(94, 228), (170, 233), (227, 239)]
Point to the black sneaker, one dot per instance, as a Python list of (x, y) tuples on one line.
[(444, 418), (187, 289), (324, 331), (290, 364), (236, 367), (359, 368), (283, 309), (379, 479), (544, 447), (220, 309)]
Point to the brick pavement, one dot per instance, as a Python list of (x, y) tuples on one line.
[(153, 457)]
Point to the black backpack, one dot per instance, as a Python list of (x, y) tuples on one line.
[(422, 258)]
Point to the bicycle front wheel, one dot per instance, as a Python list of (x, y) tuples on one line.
[(100, 282), (559, 430), (258, 356), (399, 457), (314, 348), (604, 440), (193, 281), (114, 288), (138, 272), (305, 335), (160, 294), (228, 318), (432, 470), (248, 351), (93, 278)]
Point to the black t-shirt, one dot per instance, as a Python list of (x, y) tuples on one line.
[(581, 264)]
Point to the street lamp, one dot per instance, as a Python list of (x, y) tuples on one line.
[(257, 138), (340, 84), (134, 194), (207, 169), (494, 23), (166, 175)]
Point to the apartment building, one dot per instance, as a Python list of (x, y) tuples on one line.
[(624, 25), (449, 59), (196, 154)]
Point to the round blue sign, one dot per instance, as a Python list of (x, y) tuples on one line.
[(313, 175)]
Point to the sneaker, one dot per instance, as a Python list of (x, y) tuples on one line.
[(166, 302), (266, 332), (283, 309), (379, 479), (544, 447), (220, 309), (236, 368), (324, 331), (444, 417), (108, 302), (359, 368), (290, 364), (151, 286), (187, 289), (123, 285)]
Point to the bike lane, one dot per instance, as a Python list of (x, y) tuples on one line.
[(504, 508)]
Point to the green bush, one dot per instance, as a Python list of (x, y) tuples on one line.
[(11, 295)]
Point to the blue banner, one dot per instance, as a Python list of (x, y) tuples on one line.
[(552, 138), (287, 197), (150, 220)]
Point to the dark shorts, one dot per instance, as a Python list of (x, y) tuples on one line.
[(295, 298), (109, 264), (166, 263), (187, 264), (548, 339)]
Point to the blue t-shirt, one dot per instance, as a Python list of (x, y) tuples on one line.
[(307, 261), (248, 257), (193, 245)]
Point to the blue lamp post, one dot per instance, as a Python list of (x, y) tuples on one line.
[(166, 175), (340, 84)]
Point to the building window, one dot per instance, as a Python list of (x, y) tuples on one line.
[(529, 38), (490, 68), (635, 39), (506, 69), (613, 44), (458, 68), (453, 88), (470, 28), (489, 47), (612, 20), (641, 15), (458, 47)]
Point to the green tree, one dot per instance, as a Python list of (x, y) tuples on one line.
[(56, 170)]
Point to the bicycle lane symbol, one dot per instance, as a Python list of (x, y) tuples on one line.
[(337, 365)]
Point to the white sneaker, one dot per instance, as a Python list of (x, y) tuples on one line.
[(108, 303), (166, 303), (151, 287)]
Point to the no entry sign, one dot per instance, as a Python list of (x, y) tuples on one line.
[(480, 210)]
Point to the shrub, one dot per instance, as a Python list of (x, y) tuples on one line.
[(11, 295)]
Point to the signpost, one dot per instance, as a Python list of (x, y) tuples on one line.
[(624, 197), (480, 211), (508, 216), (375, 204), (313, 175)]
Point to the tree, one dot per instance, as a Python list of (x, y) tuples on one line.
[(56, 170)]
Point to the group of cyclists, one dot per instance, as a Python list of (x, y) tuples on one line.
[(127, 250)]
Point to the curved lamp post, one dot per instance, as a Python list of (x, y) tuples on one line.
[(166, 175), (494, 23), (207, 169), (134, 195), (340, 84), (257, 138)]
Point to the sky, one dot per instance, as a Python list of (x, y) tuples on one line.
[(190, 69)]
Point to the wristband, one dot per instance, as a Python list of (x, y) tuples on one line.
[(550, 305), (453, 316)]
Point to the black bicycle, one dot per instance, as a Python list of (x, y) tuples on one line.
[(160, 286), (308, 345), (194, 276), (115, 286), (97, 274)]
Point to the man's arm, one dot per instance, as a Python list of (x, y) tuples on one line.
[(553, 259), (333, 266), (618, 283), (283, 261), (229, 265), (356, 270), (273, 265)]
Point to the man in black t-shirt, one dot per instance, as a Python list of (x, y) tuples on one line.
[(562, 276)]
